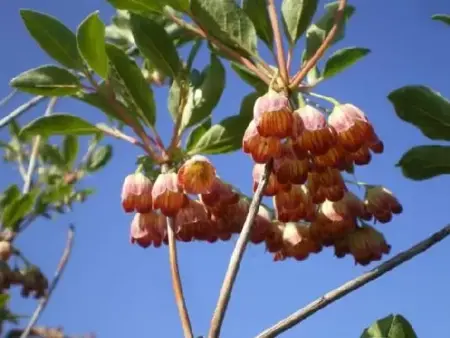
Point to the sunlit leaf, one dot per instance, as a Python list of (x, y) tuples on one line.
[(297, 16), (392, 326), (257, 12), (342, 59)]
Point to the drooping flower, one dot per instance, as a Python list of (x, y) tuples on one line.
[(148, 229), (167, 195), (381, 203), (137, 193), (366, 245), (196, 175), (262, 149)]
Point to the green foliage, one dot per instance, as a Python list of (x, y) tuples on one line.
[(17, 209), (342, 59), (226, 21), (131, 85), (424, 108), (445, 18), (91, 44), (297, 16), (70, 150), (138, 5), (58, 41), (257, 12), (392, 326), (155, 44), (425, 162), (202, 99), (47, 80), (249, 77), (58, 124), (99, 158), (197, 133), (222, 138), (317, 32), (101, 102), (247, 104)]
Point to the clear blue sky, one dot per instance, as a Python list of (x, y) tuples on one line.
[(118, 290)]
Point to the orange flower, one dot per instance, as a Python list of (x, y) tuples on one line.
[(317, 137), (147, 229), (137, 193), (196, 175), (288, 168), (367, 245), (273, 115), (273, 187), (261, 149), (167, 196), (381, 203)]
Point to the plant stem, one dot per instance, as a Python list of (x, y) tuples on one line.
[(120, 135), (35, 151), (59, 270), (176, 281), (354, 284), (20, 110), (323, 47), (227, 50), (324, 97), (8, 97), (175, 272), (237, 255), (281, 61)]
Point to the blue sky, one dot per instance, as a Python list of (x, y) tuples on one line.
[(117, 290)]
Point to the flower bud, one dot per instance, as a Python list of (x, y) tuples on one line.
[(352, 126), (273, 115), (196, 175), (137, 193), (382, 203), (273, 186), (289, 169), (167, 196), (317, 137), (367, 245), (261, 149)]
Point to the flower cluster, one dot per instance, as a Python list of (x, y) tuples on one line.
[(313, 206)]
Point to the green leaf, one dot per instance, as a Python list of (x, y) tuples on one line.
[(178, 90), (249, 77), (70, 150), (99, 158), (317, 32), (99, 101), (424, 108), (343, 58), (392, 326), (297, 16), (91, 44), (50, 154), (154, 43), (425, 162), (445, 18), (4, 298), (9, 195), (138, 5), (225, 20), (47, 80), (247, 104), (313, 75), (179, 5), (18, 209), (58, 41), (205, 97), (59, 124), (224, 137), (196, 134), (135, 89), (257, 12)]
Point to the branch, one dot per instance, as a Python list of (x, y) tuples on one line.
[(227, 50), (354, 284), (120, 135), (236, 256), (35, 151), (8, 97), (323, 47), (281, 61), (176, 281), (20, 110), (60, 269)]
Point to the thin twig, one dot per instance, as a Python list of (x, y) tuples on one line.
[(237, 255), (227, 50), (354, 284), (289, 59), (176, 281), (8, 97), (120, 135), (323, 47), (35, 151), (175, 273), (59, 271), (20, 110), (281, 61)]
